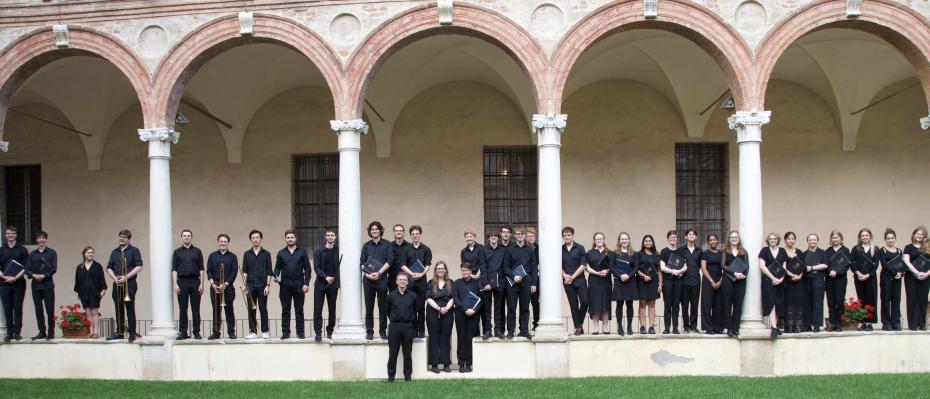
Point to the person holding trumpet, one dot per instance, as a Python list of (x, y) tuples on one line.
[(222, 267), (124, 265), (256, 276)]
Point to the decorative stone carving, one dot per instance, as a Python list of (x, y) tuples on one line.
[(547, 21), (246, 23), (750, 17), (748, 124), (345, 29), (924, 123), (349, 124), (852, 8), (445, 11), (61, 35), (650, 9), (550, 121), (159, 134), (5, 145), (153, 40)]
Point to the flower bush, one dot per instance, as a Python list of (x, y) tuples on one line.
[(72, 318), (856, 312)]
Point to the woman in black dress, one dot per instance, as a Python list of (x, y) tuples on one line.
[(917, 283), (772, 288), (734, 290), (646, 263), (90, 286), (795, 287), (815, 262), (598, 260), (712, 282), (439, 318), (625, 291), (890, 283), (865, 265), (836, 282)]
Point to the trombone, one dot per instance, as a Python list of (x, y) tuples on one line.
[(125, 284), (250, 302), (221, 298)]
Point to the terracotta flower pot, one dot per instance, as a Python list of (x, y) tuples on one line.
[(78, 334)]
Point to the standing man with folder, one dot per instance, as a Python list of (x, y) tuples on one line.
[(520, 272), (416, 262), (466, 296), (326, 265), (375, 260), (43, 263), (13, 259)]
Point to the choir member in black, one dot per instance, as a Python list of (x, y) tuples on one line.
[(326, 265), (815, 262), (534, 290), (187, 275), (625, 290), (733, 290), (401, 305), (521, 254), (474, 255), (292, 272), (222, 268), (258, 274), (492, 283), (712, 287), (90, 286), (795, 287), (439, 318), (691, 282), (649, 286), (375, 284), (506, 243), (466, 318), (773, 292), (417, 251), (43, 263), (836, 282), (865, 267), (399, 246), (916, 283), (598, 261), (573, 282), (890, 282), (13, 288), (671, 283), (124, 283)]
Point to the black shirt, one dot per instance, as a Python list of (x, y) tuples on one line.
[(692, 277), (572, 258), (745, 258), (779, 259), (230, 267), (381, 253), (133, 260), (399, 251), (886, 256), (257, 268), (830, 252), (912, 252), (45, 263), (865, 262), (493, 270), (643, 261), (460, 290), (474, 256), (187, 262), (415, 253), (714, 263), (401, 308), (326, 264), (664, 255), (293, 268), (442, 295), (526, 256), (814, 258)]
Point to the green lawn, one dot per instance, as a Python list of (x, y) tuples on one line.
[(902, 386)]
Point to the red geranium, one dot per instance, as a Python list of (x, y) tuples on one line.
[(72, 318), (856, 312)]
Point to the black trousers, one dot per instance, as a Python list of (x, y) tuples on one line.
[(733, 294), (711, 306), (492, 302), (439, 343), (466, 328), (836, 299), (420, 290), (671, 298), (125, 311), (690, 300), (916, 296), (13, 296), (189, 294), (629, 315), (328, 294), (44, 301), (577, 302), (372, 292), (400, 335), (518, 294), (815, 292), (534, 302), (292, 294), (867, 291), (261, 301), (229, 310), (891, 300)]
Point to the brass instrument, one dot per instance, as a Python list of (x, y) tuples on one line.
[(125, 285), (250, 302), (222, 290)]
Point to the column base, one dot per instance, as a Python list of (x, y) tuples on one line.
[(349, 332), (348, 359), (552, 358), (163, 332), (753, 329), (550, 331)]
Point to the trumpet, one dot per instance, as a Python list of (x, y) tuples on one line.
[(125, 284)]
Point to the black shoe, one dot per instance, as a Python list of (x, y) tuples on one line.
[(329, 334), (40, 336), (896, 327), (197, 335), (462, 368), (886, 327), (231, 336), (687, 330), (730, 333), (468, 368), (113, 337), (370, 336), (8, 337), (642, 330), (181, 337), (816, 329), (50, 336), (434, 369), (510, 336), (214, 336), (578, 331), (525, 335), (407, 379), (665, 331), (499, 335), (132, 338), (486, 336), (774, 333), (675, 331), (736, 333), (620, 331), (390, 379), (383, 335), (629, 331), (652, 330), (447, 369), (288, 335), (17, 336), (300, 336), (595, 333), (318, 338), (421, 334)]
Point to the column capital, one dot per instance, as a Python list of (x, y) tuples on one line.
[(340, 125), (924, 124), (557, 121), (5, 145), (162, 134), (748, 125)]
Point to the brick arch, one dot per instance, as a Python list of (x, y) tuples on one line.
[(22, 58), (212, 38), (690, 20), (421, 22), (900, 26)]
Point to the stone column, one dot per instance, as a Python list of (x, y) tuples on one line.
[(159, 255), (350, 326), (4, 147), (748, 126)]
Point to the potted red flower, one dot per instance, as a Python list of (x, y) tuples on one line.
[(856, 313), (73, 322)]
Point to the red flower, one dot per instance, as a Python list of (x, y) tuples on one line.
[(65, 324), (869, 308), (63, 313)]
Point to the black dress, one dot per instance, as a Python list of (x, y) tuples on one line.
[(866, 262), (88, 283), (624, 291), (773, 295), (795, 295), (641, 262), (599, 288)]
